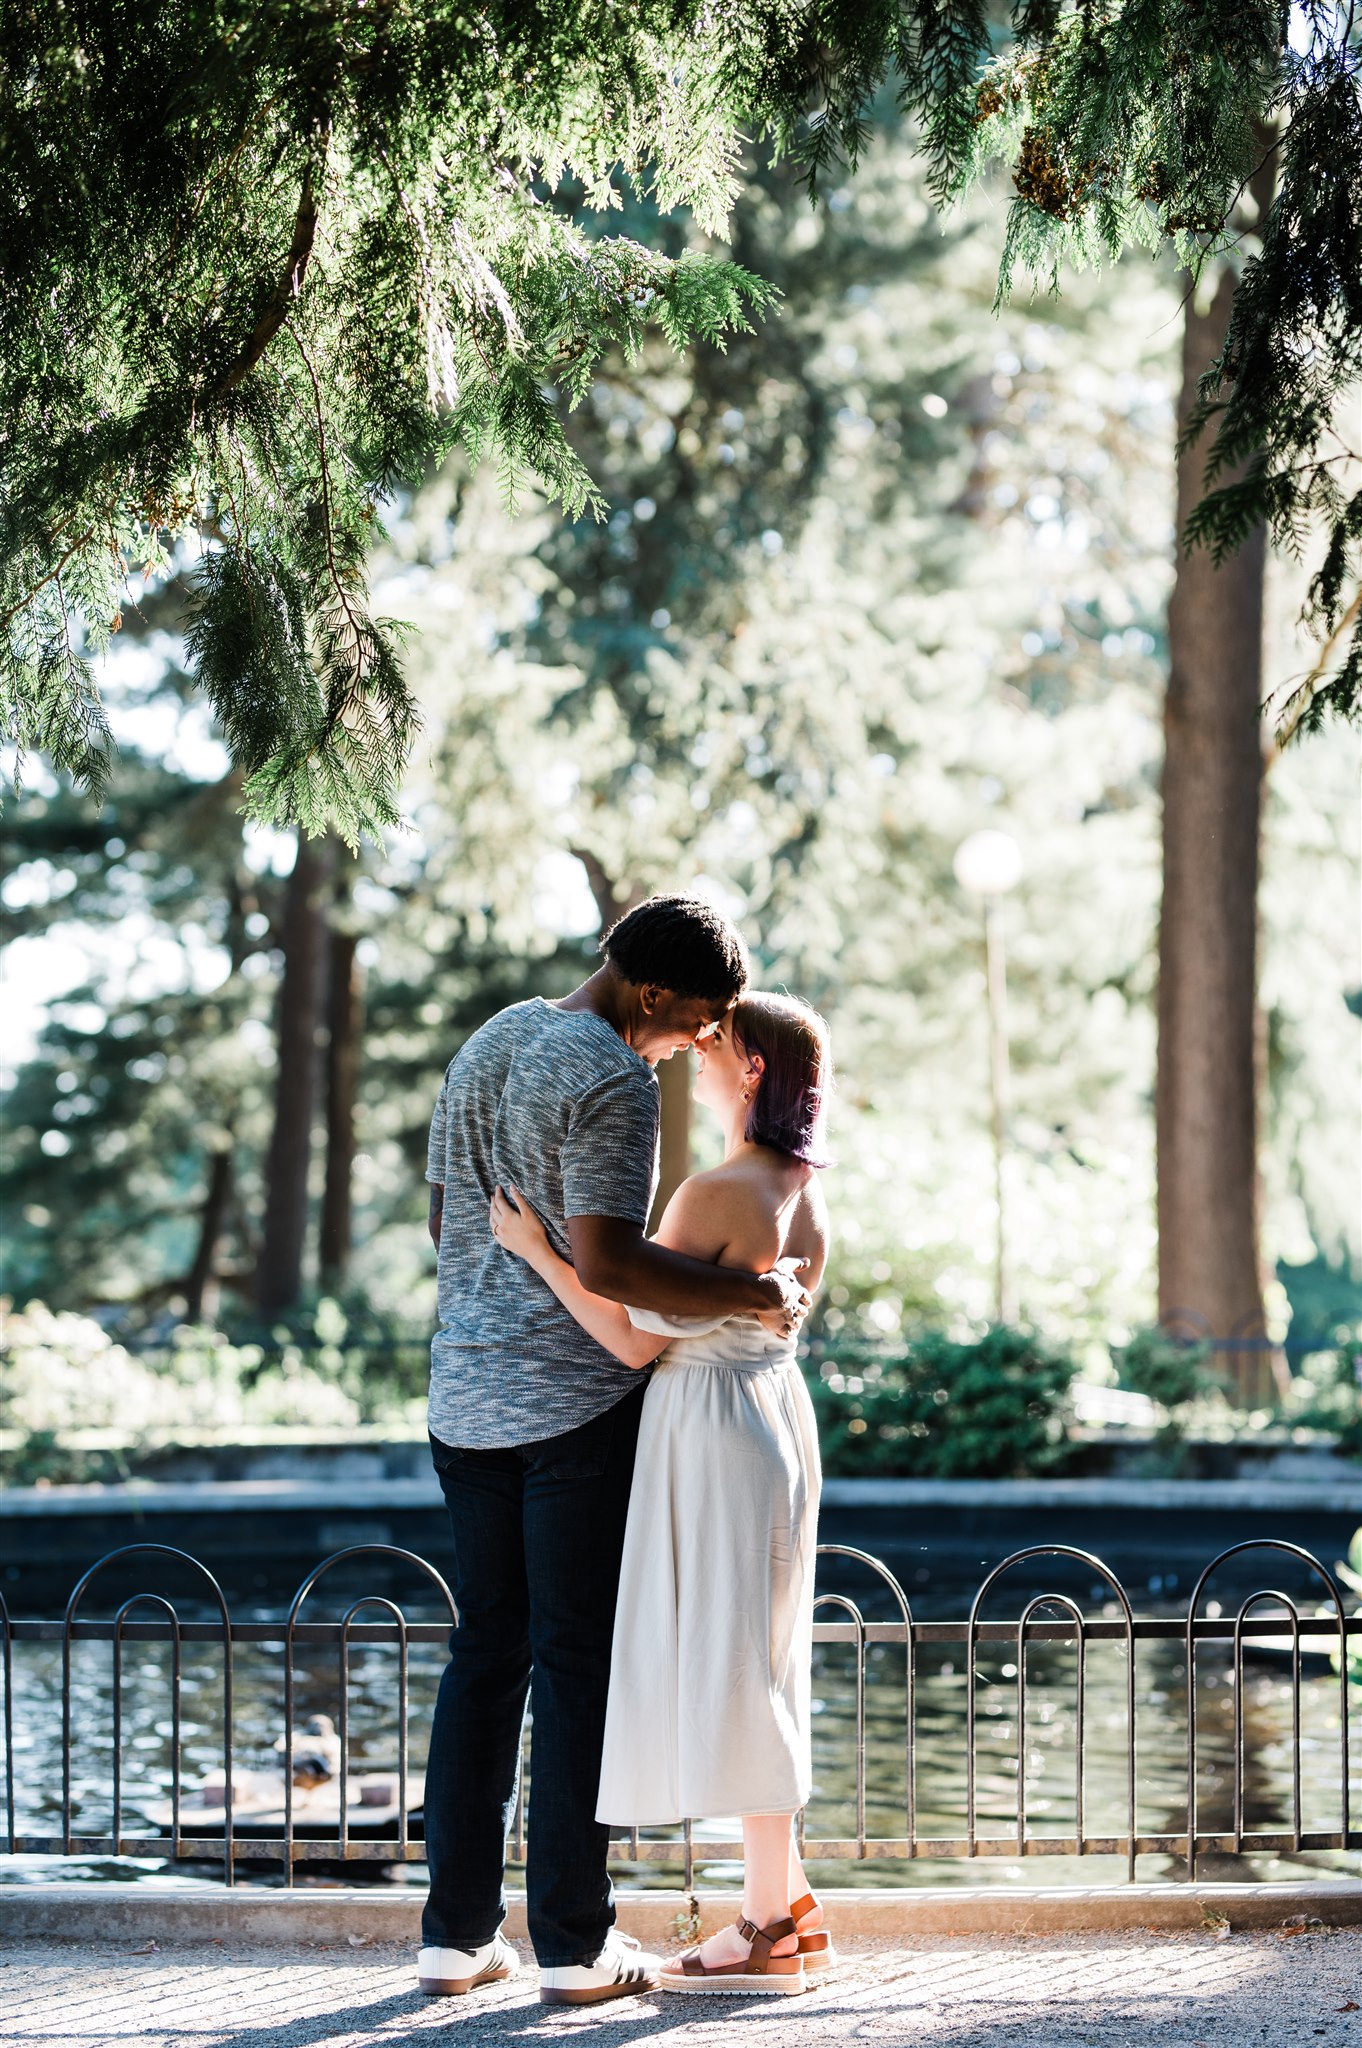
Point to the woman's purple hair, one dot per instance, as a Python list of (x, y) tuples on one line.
[(789, 1109)]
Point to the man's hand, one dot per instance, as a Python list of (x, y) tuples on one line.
[(791, 1298)]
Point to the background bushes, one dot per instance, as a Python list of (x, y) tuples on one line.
[(990, 1408)]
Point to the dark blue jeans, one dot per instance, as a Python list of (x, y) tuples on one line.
[(538, 1534)]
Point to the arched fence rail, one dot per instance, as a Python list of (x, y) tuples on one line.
[(1266, 1621)]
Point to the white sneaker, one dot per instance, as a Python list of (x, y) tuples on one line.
[(620, 1970), (449, 1972)]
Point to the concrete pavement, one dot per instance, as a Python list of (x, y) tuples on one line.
[(1253, 1989)]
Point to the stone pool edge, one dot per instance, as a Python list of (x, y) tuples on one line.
[(81, 1912), (1327, 1492)]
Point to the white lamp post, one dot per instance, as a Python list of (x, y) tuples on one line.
[(988, 864)]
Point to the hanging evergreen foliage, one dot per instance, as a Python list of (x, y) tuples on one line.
[(259, 266), (1145, 124)]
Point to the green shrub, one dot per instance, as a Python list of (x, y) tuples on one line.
[(381, 1364), (1166, 1370), (62, 1374), (990, 1408), (1330, 1391), (65, 1372)]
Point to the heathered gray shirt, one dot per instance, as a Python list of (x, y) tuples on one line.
[(554, 1102)]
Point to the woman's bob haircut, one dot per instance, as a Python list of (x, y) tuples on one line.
[(789, 1108)]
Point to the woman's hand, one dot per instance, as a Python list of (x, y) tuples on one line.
[(517, 1228)]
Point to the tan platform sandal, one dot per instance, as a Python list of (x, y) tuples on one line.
[(778, 1976), (815, 1948)]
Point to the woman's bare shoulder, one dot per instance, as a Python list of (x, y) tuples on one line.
[(709, 1176), (728, 1189), (729, 1212), (749, 1211), (700, 1216)]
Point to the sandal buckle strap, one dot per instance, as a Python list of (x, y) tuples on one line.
[(762, 1940)]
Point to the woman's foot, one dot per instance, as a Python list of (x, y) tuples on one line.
[(744, 1959), (815, 1943), (727, 1947)]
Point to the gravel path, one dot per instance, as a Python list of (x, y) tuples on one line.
[(1074, 1991)]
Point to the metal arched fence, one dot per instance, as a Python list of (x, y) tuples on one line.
[(887, 1695)]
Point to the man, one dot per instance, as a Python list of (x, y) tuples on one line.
[(533, 1428)]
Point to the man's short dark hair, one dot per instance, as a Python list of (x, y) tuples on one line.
[(679, 943)]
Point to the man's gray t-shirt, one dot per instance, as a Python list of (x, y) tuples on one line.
[(555, 1103)]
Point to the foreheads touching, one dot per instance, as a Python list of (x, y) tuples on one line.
[(685, 966)]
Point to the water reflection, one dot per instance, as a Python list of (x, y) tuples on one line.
[(1048, 1752)]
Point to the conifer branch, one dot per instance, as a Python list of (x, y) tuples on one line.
[(53, 576), (285, 292), (138, 231), (1296, 709), (328, 529)]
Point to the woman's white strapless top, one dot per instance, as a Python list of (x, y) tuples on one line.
[(739, 1343)]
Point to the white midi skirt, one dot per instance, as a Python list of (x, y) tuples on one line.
[(708, 1712)]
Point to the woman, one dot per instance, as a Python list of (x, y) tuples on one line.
[(709, 1684)]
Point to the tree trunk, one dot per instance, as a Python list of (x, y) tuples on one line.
[(675, 1075), (302, 998), (212, 1219), (1210, 1279), (342, 1077), (675, 1078)]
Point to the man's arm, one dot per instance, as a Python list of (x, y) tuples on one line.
[(437, 1213), (614, 1258)]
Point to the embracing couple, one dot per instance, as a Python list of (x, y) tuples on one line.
[(637, 1547)]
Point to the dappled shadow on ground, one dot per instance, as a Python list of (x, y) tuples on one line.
[(1257, 1991)]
